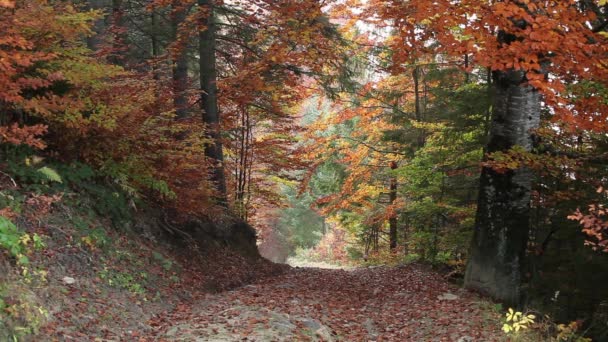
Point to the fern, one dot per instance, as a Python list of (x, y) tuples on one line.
[(50, 174)]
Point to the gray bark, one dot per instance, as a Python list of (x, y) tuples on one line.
[(503, 212), (211, 114)]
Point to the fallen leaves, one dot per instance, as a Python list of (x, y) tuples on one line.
[(409, 303)]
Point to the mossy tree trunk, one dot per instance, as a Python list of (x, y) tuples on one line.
[(503, 213)]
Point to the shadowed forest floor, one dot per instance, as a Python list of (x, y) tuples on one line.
[(408, 303)]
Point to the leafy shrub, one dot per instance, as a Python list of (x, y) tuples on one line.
[(515, 321), (11, 240), (423, 243), (20, 313)]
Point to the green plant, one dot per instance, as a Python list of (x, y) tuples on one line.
[(443, 257), (124, 280), (20, 313), (26, 168), (165, 263), (50, 174), (12, 240), (12, 199), (423, 244), (411, 257)]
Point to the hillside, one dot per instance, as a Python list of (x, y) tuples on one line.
[(68, 271)]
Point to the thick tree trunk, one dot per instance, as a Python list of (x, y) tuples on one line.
[(503, 213), (180, 65), (211, 114)]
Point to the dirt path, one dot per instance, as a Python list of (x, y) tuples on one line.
[(407, 303)]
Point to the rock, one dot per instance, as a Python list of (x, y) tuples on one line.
[(325, 334), (370, 326), (447, 296), (68, 280), (466, 339), (320, 331)]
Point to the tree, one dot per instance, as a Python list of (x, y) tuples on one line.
[(208, 97), (534, 50), (180, 61), (503, 210)]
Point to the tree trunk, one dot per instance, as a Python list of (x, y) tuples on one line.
[(180, 64), (118, 32), (95, 41), (392, 221), (243, 164), (503, 212), (208, 103)]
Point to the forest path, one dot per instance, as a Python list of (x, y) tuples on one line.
[(407, 303)]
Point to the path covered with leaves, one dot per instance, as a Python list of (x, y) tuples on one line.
[(408, 303)]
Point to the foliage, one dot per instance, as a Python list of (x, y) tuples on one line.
[(594, 224), (13, 240), (302, 226), (352, 130), (21, 315), (515, 321), (569, 332)]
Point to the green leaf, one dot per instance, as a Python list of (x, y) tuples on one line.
[(50, 174)]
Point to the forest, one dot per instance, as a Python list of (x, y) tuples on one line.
[(303, 170)]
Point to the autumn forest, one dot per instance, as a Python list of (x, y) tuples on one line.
[(303, 170)]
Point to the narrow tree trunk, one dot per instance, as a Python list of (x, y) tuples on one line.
[(99, 26), (467, 75), (417, 104), (392, 221), (503, 212), (180, 64), (154, 44), (155, 52), (243, 164), (487, 120), (208, 103), (119, 38)]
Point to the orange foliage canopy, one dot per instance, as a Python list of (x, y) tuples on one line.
[(561, 39), (93, 111)]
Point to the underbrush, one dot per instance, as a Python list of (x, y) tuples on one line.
[(68, 270), (81, 256)]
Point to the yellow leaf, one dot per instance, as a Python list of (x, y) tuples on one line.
[(25, 239)]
